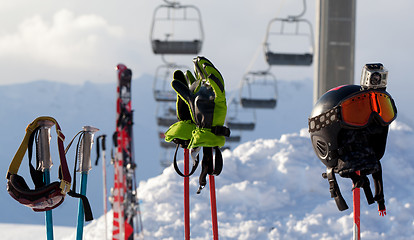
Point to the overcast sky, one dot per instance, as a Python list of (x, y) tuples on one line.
[(77, 41)]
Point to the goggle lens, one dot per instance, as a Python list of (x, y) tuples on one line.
[(385, 107), (357, 110)]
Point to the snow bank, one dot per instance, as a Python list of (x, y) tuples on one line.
[(273, 189)]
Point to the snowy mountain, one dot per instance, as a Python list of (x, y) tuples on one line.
[(270, 188)]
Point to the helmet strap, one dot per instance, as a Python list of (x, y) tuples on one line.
[(334, 189)]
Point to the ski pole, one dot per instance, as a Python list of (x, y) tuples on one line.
[(357, 210), (45, 165), (186, 195), (84, 167), (213, 207), (105, 202)]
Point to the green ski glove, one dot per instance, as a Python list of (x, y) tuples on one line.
[(206, 100), (181, 131)]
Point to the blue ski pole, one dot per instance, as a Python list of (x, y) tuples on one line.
[(45, 165), (84, 167)]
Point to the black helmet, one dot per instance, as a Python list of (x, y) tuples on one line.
[(348, 128), (324, 125)]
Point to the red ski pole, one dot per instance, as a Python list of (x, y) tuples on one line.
[(213, 207), (186, 195), (357, 218)]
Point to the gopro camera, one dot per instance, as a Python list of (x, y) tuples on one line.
[(374, 75)]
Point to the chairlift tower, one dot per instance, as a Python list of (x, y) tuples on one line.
[(335, 45)]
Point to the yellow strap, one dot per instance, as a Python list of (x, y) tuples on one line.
[(18, 157)]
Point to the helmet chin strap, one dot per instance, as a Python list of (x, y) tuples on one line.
[(334, 189), (359, 181)]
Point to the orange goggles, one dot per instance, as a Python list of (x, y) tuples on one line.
[(357, 110)]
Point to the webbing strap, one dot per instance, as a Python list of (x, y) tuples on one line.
[(221, 131), (18, 157), (195, 165), (362, 181), (379, 189), (210, 165), (85, 202), (335, 191)]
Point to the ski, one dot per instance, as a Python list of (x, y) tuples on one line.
[(126, 215)]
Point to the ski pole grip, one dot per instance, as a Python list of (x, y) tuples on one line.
[(44, 145), (86, 147)]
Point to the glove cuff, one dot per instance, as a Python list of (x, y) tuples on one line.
[(203, 137), (180, 130)]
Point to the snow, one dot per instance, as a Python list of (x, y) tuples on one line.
[(28, 231), (270, 187)]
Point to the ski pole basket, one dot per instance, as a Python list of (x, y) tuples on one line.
[(162, 82)]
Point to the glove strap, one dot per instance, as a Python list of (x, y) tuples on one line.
[(221, 131)]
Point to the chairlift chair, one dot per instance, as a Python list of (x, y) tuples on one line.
[(237, 125), (293, 29), (240, 119), (225, 147), (258, 90), (166, 114), (162, 82), (233, 139), (164, 163), (176, 40), (163, 143), (165, 158)]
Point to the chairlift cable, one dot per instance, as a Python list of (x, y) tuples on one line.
[(256, 54)]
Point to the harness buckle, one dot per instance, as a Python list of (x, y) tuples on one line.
[(65, 186)]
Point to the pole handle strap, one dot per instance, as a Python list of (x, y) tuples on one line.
[(195, 164), (85, 202)]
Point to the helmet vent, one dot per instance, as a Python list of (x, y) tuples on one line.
[(322, 148)]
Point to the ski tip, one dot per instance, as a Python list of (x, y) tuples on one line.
[(123, 72), (120, 67)]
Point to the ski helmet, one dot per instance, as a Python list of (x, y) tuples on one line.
[(348, 128), (349, 123)]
